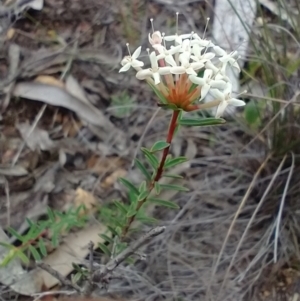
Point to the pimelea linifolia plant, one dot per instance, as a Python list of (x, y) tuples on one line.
[(184, 69)]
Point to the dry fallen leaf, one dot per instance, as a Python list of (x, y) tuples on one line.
[(74, 88), (57, 96), (83, 197), (37, 140), (49, 80), (112, 178), (73, 250)]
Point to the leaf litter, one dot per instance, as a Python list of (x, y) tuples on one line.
[(75, 160)]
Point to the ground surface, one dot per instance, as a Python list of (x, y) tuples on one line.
[(65, 161)]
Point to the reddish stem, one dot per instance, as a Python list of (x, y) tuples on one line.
[(159, 172)]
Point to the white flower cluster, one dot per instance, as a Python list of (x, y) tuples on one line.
[(180, 65)]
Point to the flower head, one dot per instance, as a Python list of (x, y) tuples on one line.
[(184, 68)]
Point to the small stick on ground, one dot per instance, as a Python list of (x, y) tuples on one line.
[(58, 276)]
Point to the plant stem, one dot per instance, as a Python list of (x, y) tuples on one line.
[(159, 172)]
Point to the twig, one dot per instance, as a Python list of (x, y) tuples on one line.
[(58, 276), (130, 250)]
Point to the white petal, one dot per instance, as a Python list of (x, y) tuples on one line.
[(218, 84), (228, 89), (204, 90), (156, 78), (219, 51), (174, 49), (137, 53), (190, 71), (207, 74), (178, 70), (221, 108), (217, 94), (164, 70), (125, 68), (208, 56), (210, 65), (184, 58), (153, 60), (197, 50), (170, 60), (197, 80), (197, 65), (236, 102), (142, 74), (236, 65), (137, 63)]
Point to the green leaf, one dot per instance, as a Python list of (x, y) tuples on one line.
[(201, 122), (143, 187), (164, 203), (159, 94), (153, 161), (173, 176), (107, 238), (6, 245), (129, 185), (104, 249), (158, 146), (174, 162), (76, 277), (131, 212), (14, 233), (55, 240), (36, 255), (143, 196), (143, 169), (23, 257), (121, 207), (251, 112), (157, 188), (112, 230), (146, 219), (42, 247), (173, 187), (51, 214)]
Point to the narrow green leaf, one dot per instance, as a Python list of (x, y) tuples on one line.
[(143, 169), (159, 94), (76, 278), (168, 106), (167, 175), (14, 233), (42, 247), (173, 187), (112, 230), (36, 255), (6, 245), (54, 240), (131, 212), (121, 207), (157, 188), (107, 238), (159, 145), (23, 257), (143, 187), (51, 214), (153, 161), (143, 196), (164, 203), (174, 162), (104, 249), (129, 185), (145, 219), (201, 122)]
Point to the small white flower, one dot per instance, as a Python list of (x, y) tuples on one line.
[(167, 55), (186, 66), (155, 71), (201, 42), (227, 58), (178, 38), (131, 61), (226, 99), (206, 82), (155, 38), (198, 57)]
